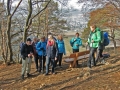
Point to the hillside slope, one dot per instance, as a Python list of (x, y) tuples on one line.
[(101, 77)]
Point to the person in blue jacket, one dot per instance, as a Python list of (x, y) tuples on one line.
[(41, 50), (76, 42), (61, 50)]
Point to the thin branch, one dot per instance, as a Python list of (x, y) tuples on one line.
[(42, 9), (16, 8), (35, 2), (115, 6), (30, 21), (17, 33), (62, 3)]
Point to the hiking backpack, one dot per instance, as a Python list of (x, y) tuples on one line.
[(21, 45), (104, 38)]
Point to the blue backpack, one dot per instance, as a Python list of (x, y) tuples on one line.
[(21, 45), (106, 39)]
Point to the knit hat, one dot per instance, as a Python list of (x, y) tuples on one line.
[(28, 39)]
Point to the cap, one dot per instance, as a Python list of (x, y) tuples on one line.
[(28, 39)]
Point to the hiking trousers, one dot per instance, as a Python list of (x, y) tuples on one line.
[(91, 60), (36, 61), (26, 65), (99, 55), (42, 60), (48, 61), (59, 59), (74, 51)]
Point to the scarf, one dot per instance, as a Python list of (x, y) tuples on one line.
[(51, 43)]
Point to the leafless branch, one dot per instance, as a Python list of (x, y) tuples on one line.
[(35, 2), (16, 8), (30, 21), (42, 9), (115, 6)]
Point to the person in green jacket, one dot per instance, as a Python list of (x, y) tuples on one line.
[(93, 41), (76, 42)]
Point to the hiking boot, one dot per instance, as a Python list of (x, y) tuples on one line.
[(36, 70), (60, 66), (89, 65), (53, 73), (46, 74), (22, 77), (103, 62), (39, 71), (42, 72), (28, 75)]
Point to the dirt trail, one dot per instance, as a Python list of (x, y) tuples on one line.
[(101, 77)]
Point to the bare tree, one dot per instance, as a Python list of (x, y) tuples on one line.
[(9, 19), (116, 3), (30, 17)]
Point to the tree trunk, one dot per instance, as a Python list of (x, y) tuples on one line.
[(113, 39), (9, 39), (114, 42), (28, 21), (25, 34), (3, 42), (38, 8), (46, 27)]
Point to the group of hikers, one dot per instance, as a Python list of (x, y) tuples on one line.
[(48, 52), (52, 48)]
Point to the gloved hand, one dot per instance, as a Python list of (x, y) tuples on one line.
[(42, 48)]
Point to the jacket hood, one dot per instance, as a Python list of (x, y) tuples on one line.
[(97, 29)]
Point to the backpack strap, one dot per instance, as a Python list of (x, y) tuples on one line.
[(102, 37), (90, 36)]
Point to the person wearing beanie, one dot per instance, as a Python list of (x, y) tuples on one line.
[(27, 54), (34, 44)]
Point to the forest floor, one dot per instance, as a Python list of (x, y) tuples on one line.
[(101, 77)]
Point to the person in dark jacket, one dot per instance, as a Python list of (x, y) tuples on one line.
[(101, 47), (61, 50), (99, 55), (27, 54), (52, 53), (41, 49), (34, 43)]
